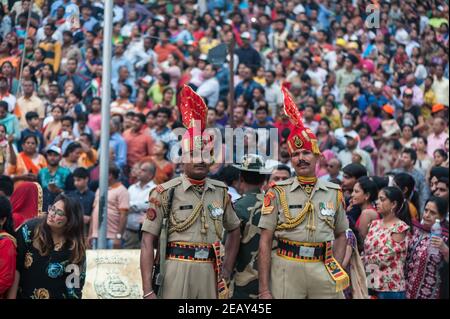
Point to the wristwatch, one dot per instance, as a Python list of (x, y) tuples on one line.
[(118, 236)]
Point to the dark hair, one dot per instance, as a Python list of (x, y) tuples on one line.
[(82, 117), (4, 127), (424, 140), (412, 153), (407, 125), (438, 172), (4, 105), (140, 116), (405, 180), (6, 211), (283, 167), (441, 204), (395, 194), (167, 89), (26, 137), (229, 175), (58, 107), (444, 180), (355, 170), (114, 170), (31, 115), (73, 231), (71, 148), (441, 152), (165, 111), (6, 185), (253, 178), (76, 94), (89, 137), (165, 77), (380, 181), (80, 172), (366, 126), (262, 108), (68, 118), (325, 120), (369, 187)]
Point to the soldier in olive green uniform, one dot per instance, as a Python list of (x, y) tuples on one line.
[(307, 218), (189, 215), (248, 209)]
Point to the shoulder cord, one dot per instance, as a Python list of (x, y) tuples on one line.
[(178, 227), (293, 222)]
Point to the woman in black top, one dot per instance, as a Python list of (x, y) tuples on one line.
[(51, 253)]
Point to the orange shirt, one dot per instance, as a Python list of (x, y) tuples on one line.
[(164, 51), (139, 145)]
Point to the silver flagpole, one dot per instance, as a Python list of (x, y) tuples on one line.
[(104, 140)]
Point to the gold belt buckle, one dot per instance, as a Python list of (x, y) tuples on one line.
[(201, 253)]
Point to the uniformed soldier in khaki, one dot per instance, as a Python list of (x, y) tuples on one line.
[(305, 215), (248, 208), (198, 210)]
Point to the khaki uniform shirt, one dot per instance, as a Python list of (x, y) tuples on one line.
[(184, 201), (329, 214)]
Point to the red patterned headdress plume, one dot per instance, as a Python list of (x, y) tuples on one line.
[(300, 137), (193, 112)]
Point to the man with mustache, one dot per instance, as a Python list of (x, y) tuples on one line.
[(306, 217), (189, 215)]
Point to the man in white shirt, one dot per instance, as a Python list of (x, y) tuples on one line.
[(138, 204), (272, 93), (210, 88)]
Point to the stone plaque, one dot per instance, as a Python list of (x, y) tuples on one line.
[(113, 274)]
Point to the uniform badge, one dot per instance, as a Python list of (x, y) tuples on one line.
[(154, 201), (151, 214), (298, 142), (327, 209), (267, 207), (267, 210), (215, 210)]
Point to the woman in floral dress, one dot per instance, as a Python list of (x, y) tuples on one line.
[(423, 271), (50, 250), (385, 246)]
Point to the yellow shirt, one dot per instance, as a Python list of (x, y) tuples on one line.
[(32, 104)]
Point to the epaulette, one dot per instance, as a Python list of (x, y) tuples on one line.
[(217, 183), (167, 185), (332, 185), (286, 182), (271, 184)]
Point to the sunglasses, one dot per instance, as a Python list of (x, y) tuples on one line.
[(52, 210), (408, 96)]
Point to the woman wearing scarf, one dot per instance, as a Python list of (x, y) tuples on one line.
[(424, 271), (26, 202)]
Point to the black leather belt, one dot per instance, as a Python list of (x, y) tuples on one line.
[(299, 251), (190, 252)]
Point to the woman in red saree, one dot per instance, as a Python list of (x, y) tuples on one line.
[(26, 202)]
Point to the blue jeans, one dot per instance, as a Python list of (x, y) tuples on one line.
[(391, 294)]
